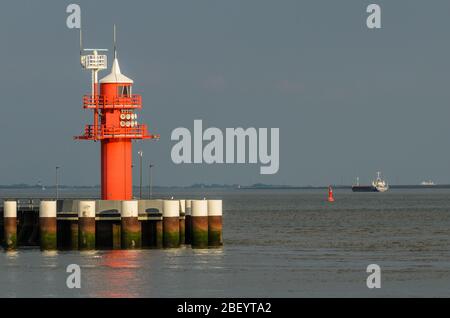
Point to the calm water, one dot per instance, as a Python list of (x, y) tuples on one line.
[(278, 243)]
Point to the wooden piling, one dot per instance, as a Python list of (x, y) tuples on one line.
[(171, 223), (86, 225), (215, 223), (182, 224), (131, 227), (199, 224), (188, 222), (10, 224), (47, 225)]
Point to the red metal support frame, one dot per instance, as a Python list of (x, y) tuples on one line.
[(138, 132), (106, 102)]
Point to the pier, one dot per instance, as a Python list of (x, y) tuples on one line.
[(77, 224)]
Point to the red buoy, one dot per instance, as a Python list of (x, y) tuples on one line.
[(330, 194)]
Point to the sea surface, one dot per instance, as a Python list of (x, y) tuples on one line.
[(278, 243)]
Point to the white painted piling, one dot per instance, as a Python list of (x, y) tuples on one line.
[(10, 224), (131, 227), (47, 225), (86, 225), (171, 223), (199, 224), (215, 223)]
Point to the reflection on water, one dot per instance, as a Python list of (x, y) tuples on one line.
[(277, 243), (121, 272), (120, 259), (50, 254), (12, 255)]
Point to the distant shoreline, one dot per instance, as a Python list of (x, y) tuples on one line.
[(443, 186), (229, 187)]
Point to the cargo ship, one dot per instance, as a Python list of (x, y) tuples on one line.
[(378, 185)]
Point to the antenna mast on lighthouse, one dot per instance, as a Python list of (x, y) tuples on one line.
[(95, 63)]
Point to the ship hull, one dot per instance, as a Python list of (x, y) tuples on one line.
[(364, 189)]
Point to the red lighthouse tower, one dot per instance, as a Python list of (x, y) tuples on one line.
[(115, 125)]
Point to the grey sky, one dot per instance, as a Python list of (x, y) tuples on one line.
[(348, 101)]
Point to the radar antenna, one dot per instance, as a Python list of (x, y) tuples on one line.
[(93, 62)]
